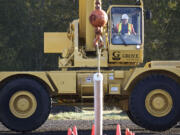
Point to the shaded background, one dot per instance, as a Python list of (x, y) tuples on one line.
[(23, 22)]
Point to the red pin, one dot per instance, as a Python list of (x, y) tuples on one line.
[(93, 128), (69, 131), (75, 131), (127, 132), (130, 133), (118, 130)]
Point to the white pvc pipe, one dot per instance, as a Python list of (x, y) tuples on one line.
[(98, 103)]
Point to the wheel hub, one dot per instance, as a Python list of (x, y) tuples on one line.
[(158, 103), (22, 104)]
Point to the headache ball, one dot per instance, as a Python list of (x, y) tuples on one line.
[(98, 18)]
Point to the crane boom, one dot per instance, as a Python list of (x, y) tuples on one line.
[(86, 30)]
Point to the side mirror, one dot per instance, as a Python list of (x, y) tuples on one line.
[(148, 14)]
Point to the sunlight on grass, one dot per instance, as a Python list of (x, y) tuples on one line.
[(89, 115)]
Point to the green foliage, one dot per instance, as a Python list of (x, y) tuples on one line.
[(163, 31), (23, 23)]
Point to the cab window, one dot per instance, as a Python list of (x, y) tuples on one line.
[(126, 26)]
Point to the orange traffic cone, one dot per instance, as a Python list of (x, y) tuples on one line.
[(118, 130), (75, 131), (69, 131), (127, 132), (93, 128)]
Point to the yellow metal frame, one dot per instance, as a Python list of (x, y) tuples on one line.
[(56, 42), (166, 70)]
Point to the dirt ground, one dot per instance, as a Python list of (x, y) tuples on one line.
[(60, 127)]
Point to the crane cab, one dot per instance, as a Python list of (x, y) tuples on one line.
[(126, 35)]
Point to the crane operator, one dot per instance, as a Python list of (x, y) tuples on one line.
[(124, 27)]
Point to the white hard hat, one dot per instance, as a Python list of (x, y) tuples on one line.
[(125, 16)]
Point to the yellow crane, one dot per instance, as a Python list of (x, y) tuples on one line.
[(149, 94)]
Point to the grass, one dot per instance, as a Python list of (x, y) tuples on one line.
[(89, 115)]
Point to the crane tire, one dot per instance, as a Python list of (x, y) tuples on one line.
[(24, 104), (154, 102), (132, 118)]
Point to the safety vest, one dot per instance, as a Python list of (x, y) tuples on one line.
[(119, 27)]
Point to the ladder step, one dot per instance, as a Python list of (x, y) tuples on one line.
[(87, 97)]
